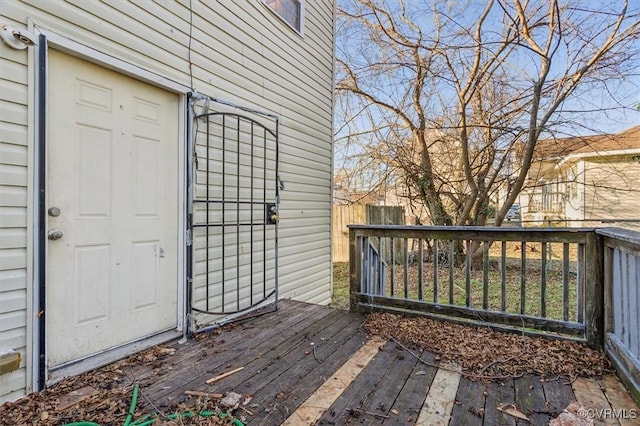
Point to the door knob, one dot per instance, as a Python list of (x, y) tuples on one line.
[(54, 234), (54, 211)]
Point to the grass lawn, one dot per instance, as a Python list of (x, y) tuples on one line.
[(340, 298), (532, 294)]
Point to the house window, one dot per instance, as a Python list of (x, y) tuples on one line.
[(289, 10)]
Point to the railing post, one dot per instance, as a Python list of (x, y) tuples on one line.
[(594, 290), (608, 288), (355, 270)]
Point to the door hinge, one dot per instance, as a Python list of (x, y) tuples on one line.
[(187, 238)]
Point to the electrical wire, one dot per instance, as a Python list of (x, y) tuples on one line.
[(189, 48)]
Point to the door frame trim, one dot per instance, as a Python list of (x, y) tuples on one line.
[(50, 39)]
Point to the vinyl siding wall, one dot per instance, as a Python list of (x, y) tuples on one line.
[(13, 212), (241, 52), (612, 190)]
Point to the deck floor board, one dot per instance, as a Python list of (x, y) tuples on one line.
[(289, 354), (502, 392), (216, 355), (530, 396), (386, 393), (470, 403), (343, 410), (409, 402), (275, 387), (556, 394), (304, 379)]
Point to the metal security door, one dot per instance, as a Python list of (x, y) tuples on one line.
[(235, 215)]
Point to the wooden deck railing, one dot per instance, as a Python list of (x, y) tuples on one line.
[(539, 281), (622, 304)]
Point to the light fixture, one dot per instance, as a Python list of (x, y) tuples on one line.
[(17, 38)]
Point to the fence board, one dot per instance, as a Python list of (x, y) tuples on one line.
[(344, 215), (361, 214)]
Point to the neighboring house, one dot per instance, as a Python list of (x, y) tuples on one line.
[(161, 168), (585, 181)]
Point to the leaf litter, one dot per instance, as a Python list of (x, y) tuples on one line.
[(104, 395), (483, 353)]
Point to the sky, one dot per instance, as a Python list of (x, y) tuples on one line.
[(600, 107)]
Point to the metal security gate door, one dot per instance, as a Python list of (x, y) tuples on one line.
[(234, 215)]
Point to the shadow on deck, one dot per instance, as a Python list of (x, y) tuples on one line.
[(308, 364)]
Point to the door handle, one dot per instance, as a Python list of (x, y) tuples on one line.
[(54, 211), (54, 234)]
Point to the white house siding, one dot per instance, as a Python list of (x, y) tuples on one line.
[(241, 52), (612, 189), (13, 213), (574, 207)]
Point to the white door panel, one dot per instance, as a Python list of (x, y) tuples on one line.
[(113, 173)]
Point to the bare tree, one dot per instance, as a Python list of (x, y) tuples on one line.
[(453, 97)]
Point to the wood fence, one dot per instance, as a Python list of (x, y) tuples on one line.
[(359, 214)]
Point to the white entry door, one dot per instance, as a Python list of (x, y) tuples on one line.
[(112, 190)]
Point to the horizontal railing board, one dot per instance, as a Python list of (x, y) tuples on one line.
[(552, 235), (370, 308), (625, 363), (621, 235), (625, 245), (505, 318)]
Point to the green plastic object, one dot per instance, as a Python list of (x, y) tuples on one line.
[(132, 407), (149, 420)]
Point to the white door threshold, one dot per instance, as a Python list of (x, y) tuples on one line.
[(91, 362)]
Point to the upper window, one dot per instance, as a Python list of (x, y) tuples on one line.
[(289, 10)]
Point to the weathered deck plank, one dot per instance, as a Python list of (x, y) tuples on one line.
[(189, 352), (282, 370), (558, 394), (530, 396), (381, 400), (219, 353), (589, 394), (410, 400), (315, 406), (344, 409), (274, 357), (437, 408), (286, 386), (502, 392), (620, 399), (469, 405)]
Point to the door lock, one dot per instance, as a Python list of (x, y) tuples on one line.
[(272, 214), (54, 234)]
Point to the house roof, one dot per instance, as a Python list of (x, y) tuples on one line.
[(585, 145)]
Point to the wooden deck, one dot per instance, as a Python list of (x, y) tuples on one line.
[(307, 364)]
